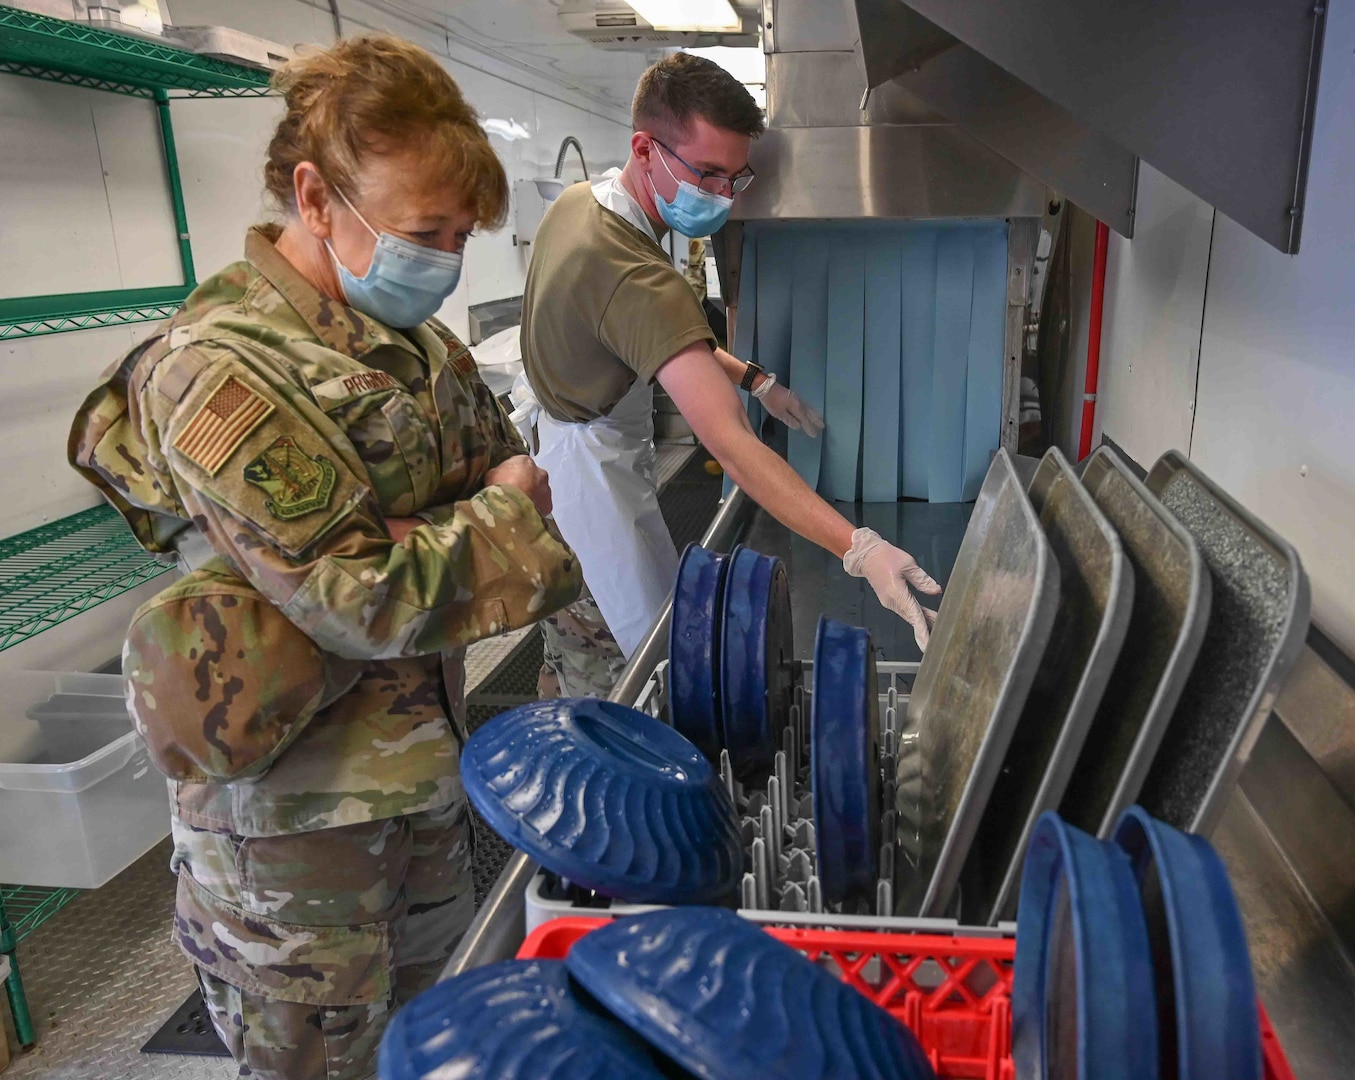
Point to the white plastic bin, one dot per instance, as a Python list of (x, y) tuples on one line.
[(79, 799)]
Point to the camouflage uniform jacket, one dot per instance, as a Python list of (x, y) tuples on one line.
[(286, 427)]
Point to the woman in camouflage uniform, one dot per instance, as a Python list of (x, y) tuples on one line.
[(355, 509)]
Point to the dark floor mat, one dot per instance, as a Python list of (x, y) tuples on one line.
[(492, 853), (189, 1031), (513, 682), (689, 500)]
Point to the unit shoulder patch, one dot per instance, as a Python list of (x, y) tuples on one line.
[(296, 483), (223, 422), (460, 359)]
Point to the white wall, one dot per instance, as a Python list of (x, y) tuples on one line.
[(1269, 338), (1150, 335), (84, 206)]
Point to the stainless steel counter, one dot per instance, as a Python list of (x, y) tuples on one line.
[(1303, 975)]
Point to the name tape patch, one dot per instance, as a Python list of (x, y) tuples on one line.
[(345, 388)]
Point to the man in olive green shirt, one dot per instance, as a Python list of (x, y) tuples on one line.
[(604, 315)]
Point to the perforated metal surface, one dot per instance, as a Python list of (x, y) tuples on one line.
[(689, 500), (1258, 616), (102, 976)]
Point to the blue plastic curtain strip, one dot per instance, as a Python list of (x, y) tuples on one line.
[(893, 330)]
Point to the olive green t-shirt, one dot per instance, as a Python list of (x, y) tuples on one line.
[(602, 306)]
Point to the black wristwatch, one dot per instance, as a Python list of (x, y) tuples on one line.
[(750, 374)]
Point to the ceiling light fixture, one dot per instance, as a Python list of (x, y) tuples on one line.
[(509, 130), (711, 16)]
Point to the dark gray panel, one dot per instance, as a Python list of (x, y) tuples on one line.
[(824, 89), (931, 532), (1096, 591), (1309, 819), (1302, 974), (1318, 705), (995, 622), (806, 25), (904, 53), (1032, 132), (1171, 610), (1218, 94), (895, 39)]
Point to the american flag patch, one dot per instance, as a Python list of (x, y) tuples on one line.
[(222, 424)]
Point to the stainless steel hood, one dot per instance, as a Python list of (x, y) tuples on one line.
[(832, 152), (1063, 94), (1217, 94), (895, 171)]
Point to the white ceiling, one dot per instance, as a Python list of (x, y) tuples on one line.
[(529, 33)]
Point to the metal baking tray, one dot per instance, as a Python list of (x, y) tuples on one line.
[(1257, 622), (1172, 590), (1096, 598), (994, 624)]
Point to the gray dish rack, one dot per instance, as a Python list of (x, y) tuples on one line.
[(780, 882)]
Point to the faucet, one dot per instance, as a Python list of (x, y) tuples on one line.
[(569, 141)]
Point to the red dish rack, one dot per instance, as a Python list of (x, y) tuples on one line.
[(953, 993)]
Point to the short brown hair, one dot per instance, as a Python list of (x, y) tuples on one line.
[(374, 95), (682, 86)]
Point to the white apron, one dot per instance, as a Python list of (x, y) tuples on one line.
[(604, 484), (604, 487)]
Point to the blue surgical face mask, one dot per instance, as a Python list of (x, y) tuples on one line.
[(692, 212), (406, 283)]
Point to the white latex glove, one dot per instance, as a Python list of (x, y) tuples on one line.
[(788, 407), (890, 571)]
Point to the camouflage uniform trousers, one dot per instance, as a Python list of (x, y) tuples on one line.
[(582, 659), (409, 877)]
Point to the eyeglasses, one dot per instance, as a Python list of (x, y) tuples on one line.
[(714, 183)]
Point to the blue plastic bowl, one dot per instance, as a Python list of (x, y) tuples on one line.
[(518, 1020), (607, 797), (694, 649), (727, 1001), (1206, 998), (845, 759), (1082, 993), (757, 662)]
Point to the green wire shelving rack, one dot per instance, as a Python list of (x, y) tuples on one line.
[(63, 51), (56, 571), (48, 575), (23, 909), (29, 906), (34, 316)]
